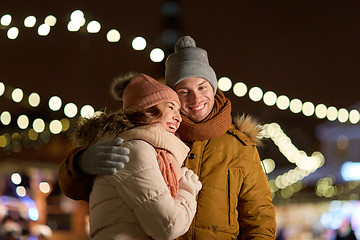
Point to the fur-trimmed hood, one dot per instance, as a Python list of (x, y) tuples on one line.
[(250, 127), (89, 131)]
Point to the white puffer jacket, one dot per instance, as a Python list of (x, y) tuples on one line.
[(136, 203)]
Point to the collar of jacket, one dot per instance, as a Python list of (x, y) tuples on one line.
[(247, 130)]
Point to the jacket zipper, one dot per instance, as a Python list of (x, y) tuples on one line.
[(228, 183)]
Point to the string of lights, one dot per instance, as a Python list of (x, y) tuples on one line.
[(76, 22), (295, 105), (305, 165), (240, 89)]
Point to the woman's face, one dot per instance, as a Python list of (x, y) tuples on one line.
[(170, 119)]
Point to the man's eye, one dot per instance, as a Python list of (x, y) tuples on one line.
[(171, 107)]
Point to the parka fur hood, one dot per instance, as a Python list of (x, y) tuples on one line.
[(250, 127), (89, 131)]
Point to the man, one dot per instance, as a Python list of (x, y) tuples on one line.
[(235, 200)]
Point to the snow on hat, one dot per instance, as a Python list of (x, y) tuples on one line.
[(188, 61), (139, 91)]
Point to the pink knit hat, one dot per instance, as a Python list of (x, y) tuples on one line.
[(139, 92)]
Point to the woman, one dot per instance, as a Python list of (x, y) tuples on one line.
[(152, 197)]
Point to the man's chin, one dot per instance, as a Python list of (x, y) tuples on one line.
[(196, 118)]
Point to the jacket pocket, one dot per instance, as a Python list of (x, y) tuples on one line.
[(234, 181)]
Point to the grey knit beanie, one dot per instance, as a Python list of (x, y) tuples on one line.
[(188, 61)]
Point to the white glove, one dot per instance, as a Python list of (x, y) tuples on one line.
[(190, 182), (104, 158)]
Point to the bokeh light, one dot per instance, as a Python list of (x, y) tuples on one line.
[(224, 84), (16, 178), (6, 20), (50, 20), (283, 102), (308, 109), (73, 26), (93, 27), (34, 99), (13, 33), (30, 21), (321, 111), (240, 89), (44, 30), (23, 121), (87, 111), (343, 115), (270, 98), (44, 187), (21, 191), (5, 118), (157, 55), (17, 95), (354, 116), (296, 105), (55, 103), (113, 35), (332, 113), (256, 94), (139, 43), (2, 88), (55, 127), (39, 125), (70, 110)]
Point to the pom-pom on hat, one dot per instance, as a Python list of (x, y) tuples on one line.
[(139, 91), (188, 61)]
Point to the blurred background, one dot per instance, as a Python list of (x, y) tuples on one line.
[(292, 65)]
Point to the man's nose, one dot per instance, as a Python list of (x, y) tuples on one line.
[(194, 96)]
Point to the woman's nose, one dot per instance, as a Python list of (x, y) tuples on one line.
[(178, 117)]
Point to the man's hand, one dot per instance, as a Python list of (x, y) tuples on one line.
[(105, 158), (190, 182)]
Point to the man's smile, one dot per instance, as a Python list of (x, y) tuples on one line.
[(197, 107)]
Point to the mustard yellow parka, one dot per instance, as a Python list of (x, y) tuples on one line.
[(235, 200)]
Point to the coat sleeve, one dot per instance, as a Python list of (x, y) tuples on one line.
[(73, 183), (143, 188), (256, 211)]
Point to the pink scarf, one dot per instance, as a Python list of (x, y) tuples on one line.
[(170, 170)]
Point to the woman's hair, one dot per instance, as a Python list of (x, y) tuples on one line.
[(145, 117), (89, 131)]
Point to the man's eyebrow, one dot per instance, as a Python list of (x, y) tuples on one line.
[(203, 82), (186, 88), (171, 103)]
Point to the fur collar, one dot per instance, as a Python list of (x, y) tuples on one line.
[(250, 127), (90, 131)]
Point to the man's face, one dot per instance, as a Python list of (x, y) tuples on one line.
[(196, 97)]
